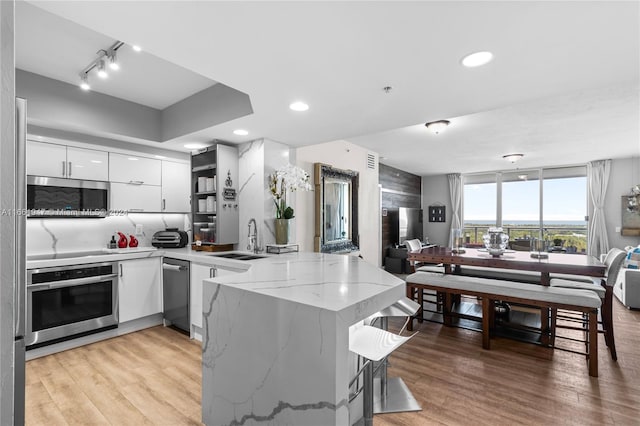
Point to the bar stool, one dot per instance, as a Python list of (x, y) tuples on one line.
[(374, 345), (394, 396)]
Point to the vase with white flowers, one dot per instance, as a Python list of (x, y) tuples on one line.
[(285, 179)]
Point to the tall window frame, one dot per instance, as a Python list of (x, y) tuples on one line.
[(503, 178)]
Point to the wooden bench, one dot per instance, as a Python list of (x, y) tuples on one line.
[(491, 290)]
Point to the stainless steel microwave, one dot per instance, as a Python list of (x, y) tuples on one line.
[(66, 198)]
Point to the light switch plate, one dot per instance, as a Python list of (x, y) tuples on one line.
[(617, 229), (139, 229)]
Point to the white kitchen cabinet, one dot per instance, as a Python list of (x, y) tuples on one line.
[(135, 170), (198, 274), (176, 187), (48, 159), (139, 288), (87, 164), (135, 198)]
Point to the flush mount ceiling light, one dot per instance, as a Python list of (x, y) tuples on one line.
[(240, 132), (136, 48), (299, 106), (105, 57), (438, 126), (512, 158), (477, 59)]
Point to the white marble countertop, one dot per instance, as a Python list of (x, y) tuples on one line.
[(327, 281), (114, 255)]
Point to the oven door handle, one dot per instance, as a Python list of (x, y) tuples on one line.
[(70, 283)]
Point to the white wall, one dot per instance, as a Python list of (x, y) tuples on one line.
[(435, 191), (256, 161), (625, 173), (342, 155)]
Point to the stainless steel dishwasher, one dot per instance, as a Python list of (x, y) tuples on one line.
[(175, 292)]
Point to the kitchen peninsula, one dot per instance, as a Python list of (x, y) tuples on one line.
[(276, 338)]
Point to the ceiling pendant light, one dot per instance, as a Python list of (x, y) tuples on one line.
[(512, 158), (84, 82), (113, 61), (102, 72), (438, 126)]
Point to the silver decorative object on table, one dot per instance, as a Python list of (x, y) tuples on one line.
[(495, 241)]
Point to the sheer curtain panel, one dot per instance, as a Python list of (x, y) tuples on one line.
[(455, 191), (598, 177)]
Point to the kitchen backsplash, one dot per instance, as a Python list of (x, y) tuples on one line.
[(63, 235)]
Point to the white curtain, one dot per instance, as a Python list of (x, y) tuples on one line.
[(455, 191), (598, 176)]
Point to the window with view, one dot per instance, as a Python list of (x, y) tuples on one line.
[(526, 206)]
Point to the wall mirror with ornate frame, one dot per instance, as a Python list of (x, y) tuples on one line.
[(336, 224)]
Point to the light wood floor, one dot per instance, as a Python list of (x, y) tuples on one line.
[(153, 377)]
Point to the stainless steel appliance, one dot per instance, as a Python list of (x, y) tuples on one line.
[(58, 197), (170, 238), (175, 293), (69, 300), (20, 263)]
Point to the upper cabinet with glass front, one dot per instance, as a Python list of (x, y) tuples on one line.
[(53, 160), (336, 225)]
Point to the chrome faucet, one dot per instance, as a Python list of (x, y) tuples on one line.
[(253, 237)]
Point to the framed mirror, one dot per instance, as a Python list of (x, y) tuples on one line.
[(336, 225)]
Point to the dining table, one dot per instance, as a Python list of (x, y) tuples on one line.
[(545, 263)]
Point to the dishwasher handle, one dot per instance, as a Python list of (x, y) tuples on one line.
[(169, 267)]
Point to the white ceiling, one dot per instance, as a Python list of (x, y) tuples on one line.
[(559, 68), (57, 48)]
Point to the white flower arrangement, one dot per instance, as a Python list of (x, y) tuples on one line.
[(285, 179)]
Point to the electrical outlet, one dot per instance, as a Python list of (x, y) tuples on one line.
[(618, 229), (139, 229)]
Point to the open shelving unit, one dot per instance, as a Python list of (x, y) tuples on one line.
[(218, 224)]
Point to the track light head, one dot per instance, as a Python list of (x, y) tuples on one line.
[(113, 61), (102, 72), (84, 82)]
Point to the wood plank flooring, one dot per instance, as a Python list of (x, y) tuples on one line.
[(153, 377)]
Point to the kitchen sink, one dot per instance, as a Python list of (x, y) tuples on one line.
[(239, 256)]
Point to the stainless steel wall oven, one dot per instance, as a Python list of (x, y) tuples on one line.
[(66, 301)]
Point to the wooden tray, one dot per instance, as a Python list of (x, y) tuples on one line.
[(211, 247)]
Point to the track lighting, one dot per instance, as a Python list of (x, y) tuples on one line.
[(84, 82), (105, 57), (102, 72), (113, 61)]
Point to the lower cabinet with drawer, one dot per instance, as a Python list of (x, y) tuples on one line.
[(139, 288), (198, 274)]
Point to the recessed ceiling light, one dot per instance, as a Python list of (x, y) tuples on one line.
[(194, 146), (96, 161), (240, 132), (299, 106), (522, 177), (136, 48), (160, 156), (477, 59), (132, 159)]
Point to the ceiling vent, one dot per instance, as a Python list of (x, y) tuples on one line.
[(371, 161)]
